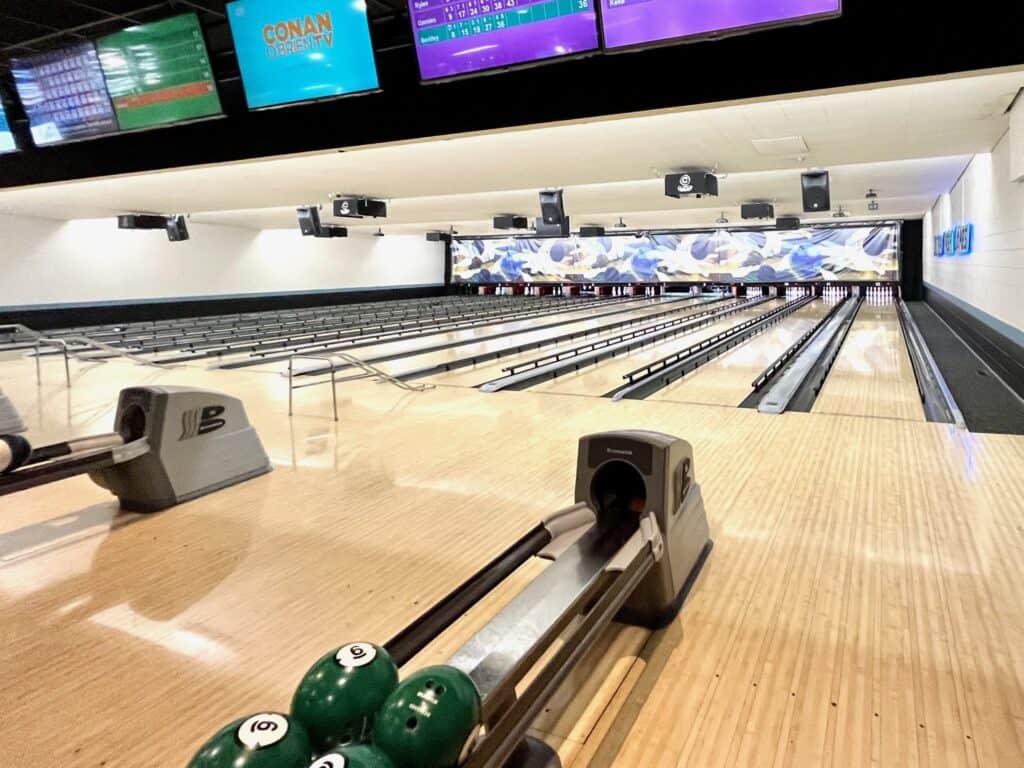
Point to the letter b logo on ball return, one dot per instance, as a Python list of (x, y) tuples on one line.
[(201, 421)]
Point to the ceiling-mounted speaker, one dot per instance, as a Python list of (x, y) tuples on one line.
[(694, 183), (358, 207), (817, 195), (787, 223), (347, 208), (332, 230), (552, 206), (591, 231), (757, 211), (375, 209), (510, 221), (438, 237), (309, 221), (177, 230)]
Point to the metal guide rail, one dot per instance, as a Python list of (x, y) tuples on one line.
[(768, 373), (936, 399), (647, 379)]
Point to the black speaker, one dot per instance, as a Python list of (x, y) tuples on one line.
[(510, 221), (757, 211), (591, 231), (347, 208), (438, 237), (691, 184), (309, 221), (558, 229), (816, 191), (141, 221), (332, 230), (177, 231), (552, 208), (375, 209), (786, 223)]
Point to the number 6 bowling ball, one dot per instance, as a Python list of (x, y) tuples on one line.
[(429, 719), (340, 694), (267, 740)]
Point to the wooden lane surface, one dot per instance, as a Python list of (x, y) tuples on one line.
[(467, 336), (597, 380), (476, 375), (872, 375), (414, 362), (861, 605), (727, 379)]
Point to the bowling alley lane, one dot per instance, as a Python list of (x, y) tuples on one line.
[(489, 370), (872, 375), (514, 332), (726, 380), (426, 360), (598, 380)]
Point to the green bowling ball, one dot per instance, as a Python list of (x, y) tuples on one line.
[(340, 694), (354, 756), (429, 719), (266, 740)]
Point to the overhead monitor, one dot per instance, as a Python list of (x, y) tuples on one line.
[(460, 37), (64, 94), (159, 73), (301, 50), (6, 137), (631, 23)]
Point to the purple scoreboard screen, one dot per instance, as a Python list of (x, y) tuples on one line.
[(457, 37), (630, 23)]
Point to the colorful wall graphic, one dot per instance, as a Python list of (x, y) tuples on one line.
[(856, 253)]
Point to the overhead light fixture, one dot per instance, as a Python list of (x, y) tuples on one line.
[(379, 232), (621, 224), (840, 214), (722, 219)]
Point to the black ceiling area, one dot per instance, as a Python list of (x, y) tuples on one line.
[(871, 42)]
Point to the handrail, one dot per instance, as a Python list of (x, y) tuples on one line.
[(766, 375), (367, 368), (659, 365)]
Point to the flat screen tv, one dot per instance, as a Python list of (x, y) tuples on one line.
[(159, 73), (635, 23), (461, 37), (302, 50), (6, 137), (64, 94)]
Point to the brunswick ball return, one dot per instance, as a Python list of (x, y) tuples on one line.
[(169, 445), (629, 550)]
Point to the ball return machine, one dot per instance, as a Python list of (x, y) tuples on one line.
[(629, 550)]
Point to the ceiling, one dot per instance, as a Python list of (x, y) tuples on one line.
[(909, 141)]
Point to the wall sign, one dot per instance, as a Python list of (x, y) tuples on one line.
[(958, 241)]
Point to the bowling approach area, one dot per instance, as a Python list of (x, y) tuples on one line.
[(653, 401)]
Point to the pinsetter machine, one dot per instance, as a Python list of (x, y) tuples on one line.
[(629, 550), (169, 445)]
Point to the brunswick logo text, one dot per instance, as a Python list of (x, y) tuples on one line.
[(201, 421)]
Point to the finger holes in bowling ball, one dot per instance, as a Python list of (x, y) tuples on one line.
[(618, 493), (430, 685), (411, 724), (133, 423), (439, 690)]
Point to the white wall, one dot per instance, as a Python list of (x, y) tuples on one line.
[(90, 260), (992, 278)]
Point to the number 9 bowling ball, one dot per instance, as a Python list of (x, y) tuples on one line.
[(429, 719), (354, 756), (267, 740), (340, 694)]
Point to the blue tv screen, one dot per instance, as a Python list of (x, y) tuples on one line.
[(300, 50), (6, 137)]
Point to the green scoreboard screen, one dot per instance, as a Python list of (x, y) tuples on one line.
[(159, 73)]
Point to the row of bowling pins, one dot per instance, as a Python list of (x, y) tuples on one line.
[(835, 292), (879, 294)]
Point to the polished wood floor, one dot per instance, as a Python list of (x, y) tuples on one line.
[(862, 605)]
